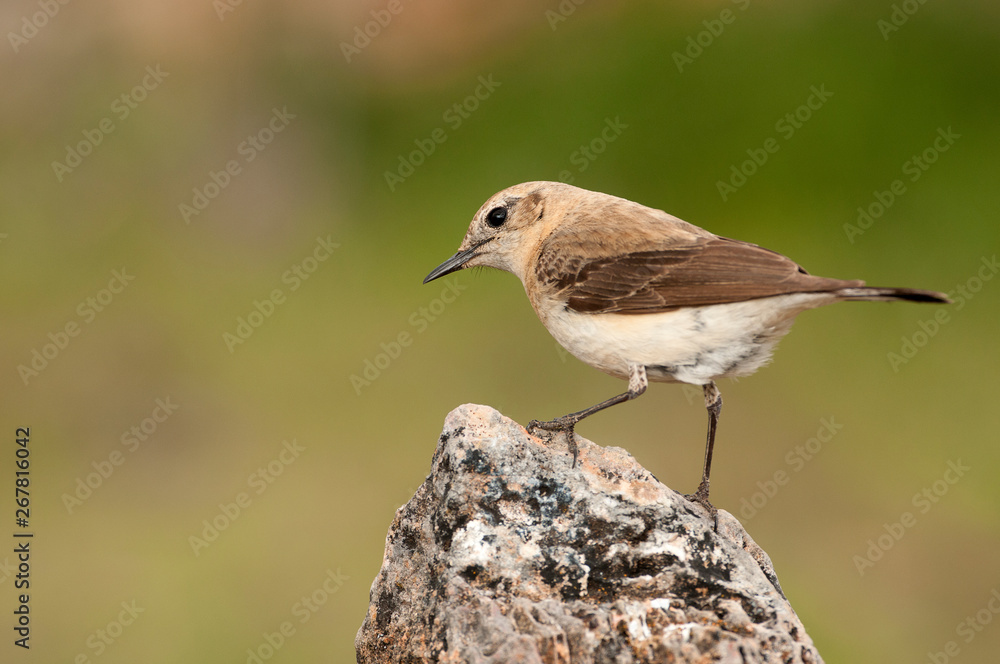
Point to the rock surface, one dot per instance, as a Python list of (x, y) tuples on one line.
[(507, 554)]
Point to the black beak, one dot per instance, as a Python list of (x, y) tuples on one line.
[(455, 263)]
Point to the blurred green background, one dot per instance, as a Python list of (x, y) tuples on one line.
[(219, 82)]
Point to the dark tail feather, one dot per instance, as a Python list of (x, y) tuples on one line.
[(890, 294)]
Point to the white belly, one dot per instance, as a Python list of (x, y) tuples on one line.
[(692, 345)]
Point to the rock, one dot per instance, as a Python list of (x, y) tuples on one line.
[(508, 554)]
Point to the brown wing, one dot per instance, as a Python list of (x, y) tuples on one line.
[(710, 270)]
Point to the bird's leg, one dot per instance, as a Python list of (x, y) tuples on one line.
[(713, 403), (636, 385)]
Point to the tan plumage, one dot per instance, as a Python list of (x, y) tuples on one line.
[(643, 295)]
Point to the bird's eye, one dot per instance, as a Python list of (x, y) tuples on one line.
[(496, 217)]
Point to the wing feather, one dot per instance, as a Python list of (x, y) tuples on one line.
[(704, 271)]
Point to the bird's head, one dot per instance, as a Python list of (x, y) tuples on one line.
[(508, 227)]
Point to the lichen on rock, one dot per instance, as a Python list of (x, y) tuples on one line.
[(506, 553)]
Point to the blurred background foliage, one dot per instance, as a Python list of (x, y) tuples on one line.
[(563, 71)]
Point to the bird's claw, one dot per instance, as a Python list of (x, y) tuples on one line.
[(701, 497), (556, 425)]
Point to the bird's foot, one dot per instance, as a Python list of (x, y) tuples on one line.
[(701, 497), (565, 424), (558, 424)]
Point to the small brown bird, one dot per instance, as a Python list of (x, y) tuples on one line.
[(645, 296)]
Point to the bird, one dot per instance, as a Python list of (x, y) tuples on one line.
[(645, 296)]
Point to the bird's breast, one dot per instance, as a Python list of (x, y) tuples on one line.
[(690, 344)]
